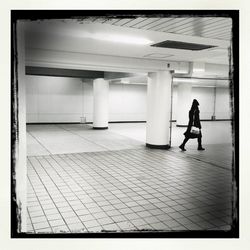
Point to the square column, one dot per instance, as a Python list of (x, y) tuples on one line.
[(158, 109)]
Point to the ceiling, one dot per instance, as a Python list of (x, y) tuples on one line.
[(91, 35), (209, 27)]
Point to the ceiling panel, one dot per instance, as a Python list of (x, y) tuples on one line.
[(170, 23), (123, 21), (178, 23), (191, 22), (144, 23), (134, 22), (112, 20), (154, 23), (209, 27)]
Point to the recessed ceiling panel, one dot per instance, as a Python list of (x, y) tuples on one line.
[(182, 45)]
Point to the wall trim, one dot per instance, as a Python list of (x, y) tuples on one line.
[(167, 146), (51, 123), (100, 127)]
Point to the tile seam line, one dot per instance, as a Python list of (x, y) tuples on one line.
[(112, 132), (39, 143), (84, 139)]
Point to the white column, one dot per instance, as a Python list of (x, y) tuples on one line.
[(20, 167), (158, 109), (184, 102), (101, 104)]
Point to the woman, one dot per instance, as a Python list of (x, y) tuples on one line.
[(194, 120)]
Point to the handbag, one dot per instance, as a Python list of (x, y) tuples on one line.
[(195, 130)]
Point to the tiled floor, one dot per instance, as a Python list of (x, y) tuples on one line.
[(124, 186)]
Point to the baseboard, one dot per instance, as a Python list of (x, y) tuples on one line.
[(50, 123), (54, 123), (100, 128), (128, 122), (158, 146)]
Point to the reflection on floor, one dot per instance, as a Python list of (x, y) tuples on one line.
[(83, 180)]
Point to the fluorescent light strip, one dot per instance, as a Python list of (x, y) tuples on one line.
[(116, 38)]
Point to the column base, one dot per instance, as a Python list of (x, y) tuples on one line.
[(100, 127), (158, 146)]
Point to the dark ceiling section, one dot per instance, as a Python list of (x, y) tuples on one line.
[(182, 45), (118, 75), (42, 71), (84, 74)]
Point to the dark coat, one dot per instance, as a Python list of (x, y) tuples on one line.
[(194, 120)]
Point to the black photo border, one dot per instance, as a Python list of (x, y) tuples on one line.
[(32, 15)]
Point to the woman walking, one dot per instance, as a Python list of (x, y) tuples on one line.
[(194, 126)]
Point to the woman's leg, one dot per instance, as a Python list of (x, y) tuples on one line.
[(199, 143), (182, 146)]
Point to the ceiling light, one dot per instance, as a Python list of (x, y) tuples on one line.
[(117, 38), (122, 39)]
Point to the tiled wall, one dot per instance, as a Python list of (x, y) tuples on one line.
[(62, 99)]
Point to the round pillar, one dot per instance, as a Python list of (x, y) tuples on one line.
[(184, 101), (158, 109), (101, 104)]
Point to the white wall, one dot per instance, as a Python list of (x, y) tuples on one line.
[(223, 106), (64, 99), (53, 99), (127, 102), (205, 96)]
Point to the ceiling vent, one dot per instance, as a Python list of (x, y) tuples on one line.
[(182, 45)]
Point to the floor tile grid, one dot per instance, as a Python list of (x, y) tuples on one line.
[(193, 182), (70, 182), (216, 154), (62, 221), (222, 189), (225, 188), (30, 227), (42, 216), (50, 209), (69, 171), (117, 198), (179, 171)]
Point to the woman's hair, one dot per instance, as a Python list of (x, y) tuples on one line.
[(195, 104)]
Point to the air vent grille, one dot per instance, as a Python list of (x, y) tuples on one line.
[(182, 45)]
